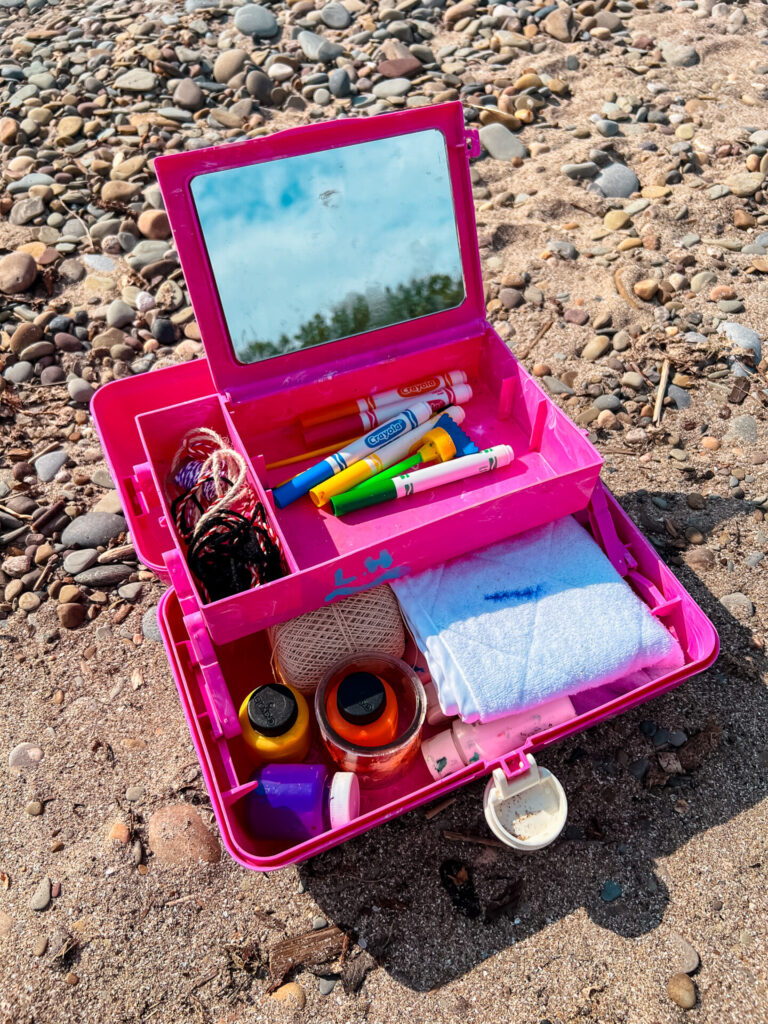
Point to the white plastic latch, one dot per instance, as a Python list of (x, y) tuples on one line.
[(527, 812)]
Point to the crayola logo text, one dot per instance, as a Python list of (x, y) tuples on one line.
[(418, 389), (386, 433)]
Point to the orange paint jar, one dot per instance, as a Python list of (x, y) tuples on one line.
[(362, 708)]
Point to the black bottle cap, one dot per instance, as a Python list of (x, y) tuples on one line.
[(272, 709), (361, 698)]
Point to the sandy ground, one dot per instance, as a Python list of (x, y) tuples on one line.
[(150, 942)]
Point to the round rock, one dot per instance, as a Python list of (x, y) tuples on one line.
[(17, 272), (257, 21), (682, 991), (25, 756), (177, 835), (93, 530)]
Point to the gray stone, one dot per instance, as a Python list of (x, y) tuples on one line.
[(679, 55), (556, 387), (500, 143), (588, 169), (79, 561), (19, 372), (338, 83), (565, 249), (257, 21), (149, 625), (25, 184), (136, 80), (93, 529), (679, 396), (754, 558), (119, 313), (608, 129), (26, 210), (131, 591), (47, 466), (391, 88), (336, 16), (610, 402), (326, 985), (80, 390), (633, 380), (738, 605), (617, 181), (317, 48), (742, 429), (104, 575), (146, 252), (41, 897), (742, 337)]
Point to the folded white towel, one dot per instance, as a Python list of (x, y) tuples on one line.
[(527, 620)]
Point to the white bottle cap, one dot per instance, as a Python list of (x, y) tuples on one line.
[(343, 799)]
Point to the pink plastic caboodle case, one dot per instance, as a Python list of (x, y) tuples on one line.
[(219, 650)]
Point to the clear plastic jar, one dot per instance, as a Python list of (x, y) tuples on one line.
[(374, 764)]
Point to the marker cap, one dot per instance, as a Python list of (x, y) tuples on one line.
[(343, 799), (301, 484)]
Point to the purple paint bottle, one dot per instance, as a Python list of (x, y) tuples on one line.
[(298, 801)]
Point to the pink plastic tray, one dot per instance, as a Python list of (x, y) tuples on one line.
[(258, 405), (236, 667)]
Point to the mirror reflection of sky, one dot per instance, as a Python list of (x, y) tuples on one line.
[(292, 238)]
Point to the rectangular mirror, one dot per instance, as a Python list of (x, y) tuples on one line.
[(313, 248)]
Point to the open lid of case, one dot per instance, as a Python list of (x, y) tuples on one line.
[(322, 245)]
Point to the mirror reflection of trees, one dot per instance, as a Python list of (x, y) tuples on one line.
[(358, 313)]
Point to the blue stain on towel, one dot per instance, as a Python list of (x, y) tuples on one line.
[(523, 594)]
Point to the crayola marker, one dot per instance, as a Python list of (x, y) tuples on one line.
[(410, 392), (359, 422), (387, 456), (424, 479), (403, 423)]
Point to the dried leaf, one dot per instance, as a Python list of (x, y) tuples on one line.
[(699, 746), (740, 391), (5, 879), (354, 972), (457, 882)]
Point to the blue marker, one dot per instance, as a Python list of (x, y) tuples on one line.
[(404, 422)]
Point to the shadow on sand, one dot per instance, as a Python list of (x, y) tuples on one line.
[(385, 886)]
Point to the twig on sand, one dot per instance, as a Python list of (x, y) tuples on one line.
[(659, 404)]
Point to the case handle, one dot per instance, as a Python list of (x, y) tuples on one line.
[(216, 696)]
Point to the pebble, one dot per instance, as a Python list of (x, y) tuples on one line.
[(79, 561), (93, 530), (136, 80), (318, 923), (742, 429), (17, 272), (149, 625), (104, 575), (738, 605), (178, 836), (617, 181), (41, 897), (501, 143), (80, 391), (595, 348), (25, 756), (326, 985), (610, 892), (682, 991), (257, 21), (291, 992), (682, 954), (679, 55), (47, 466)]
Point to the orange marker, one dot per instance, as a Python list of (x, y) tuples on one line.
[(371, 402)]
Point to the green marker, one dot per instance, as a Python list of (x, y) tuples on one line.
[(423, 479)]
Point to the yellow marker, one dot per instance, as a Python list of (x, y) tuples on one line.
[(374, 463)]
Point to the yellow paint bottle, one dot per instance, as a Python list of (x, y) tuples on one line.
[(275, 722)]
